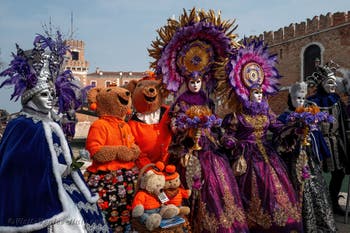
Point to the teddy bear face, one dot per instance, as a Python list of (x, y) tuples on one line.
[(147, 96), (173, 183), (112, 101), (153, 183)]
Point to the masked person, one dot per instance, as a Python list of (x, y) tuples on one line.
[(42, 189), (334, 132), (304, 159), (268, 196)]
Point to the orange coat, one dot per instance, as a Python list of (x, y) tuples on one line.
[(146, 199), (177, 199), (108, 131), (153, 139)]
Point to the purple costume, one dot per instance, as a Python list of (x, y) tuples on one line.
[(216, 205), (268, 195)]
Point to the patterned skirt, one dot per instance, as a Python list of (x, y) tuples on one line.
[(116, 190)]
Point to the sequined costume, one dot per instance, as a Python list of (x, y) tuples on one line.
[(215, 202), (317, 211), (267, 193)]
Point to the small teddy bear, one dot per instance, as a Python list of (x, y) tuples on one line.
[(174, 191), (147, 204), (113, 152), (150, 122)]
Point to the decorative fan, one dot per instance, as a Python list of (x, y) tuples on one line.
[(191, 47)]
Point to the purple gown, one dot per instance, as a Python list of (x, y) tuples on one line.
[(268, 196), (216, 206)]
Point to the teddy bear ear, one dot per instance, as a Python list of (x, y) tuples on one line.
[(92, 93), (131, 85)]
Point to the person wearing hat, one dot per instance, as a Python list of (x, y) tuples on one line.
[(42, 188)]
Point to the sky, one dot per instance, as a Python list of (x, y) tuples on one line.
[(117, 33)]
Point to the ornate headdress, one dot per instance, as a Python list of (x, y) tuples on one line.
[(323, 74), (191, 47), (298, 87), (250, 66), (40, 68)]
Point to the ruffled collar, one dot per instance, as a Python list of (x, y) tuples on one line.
[(191, 98), (255, 108)]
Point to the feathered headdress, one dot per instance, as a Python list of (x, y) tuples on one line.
[(191, 47), (41, 68), (248, 67)]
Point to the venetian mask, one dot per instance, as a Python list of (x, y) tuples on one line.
[(330, 85), (194, 85), (43, 100), (256, 95), (298, 99)]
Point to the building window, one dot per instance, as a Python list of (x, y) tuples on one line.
[(108, 83), (311, 53), (93, 83), (75, 55)]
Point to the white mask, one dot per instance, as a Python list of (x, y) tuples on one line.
[(43, 100), (298, 99), (330, 85), (256, 96), (195, 85)]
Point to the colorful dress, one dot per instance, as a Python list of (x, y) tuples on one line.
[(215, 201), (317, 211), (42, 193), (268, 195)]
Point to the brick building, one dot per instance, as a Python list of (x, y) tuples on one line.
[(297, 45)]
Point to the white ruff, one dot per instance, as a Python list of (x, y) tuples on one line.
[(150, 118)]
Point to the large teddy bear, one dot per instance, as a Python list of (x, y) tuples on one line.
[(148, 204), (150, 123), (113, 152)]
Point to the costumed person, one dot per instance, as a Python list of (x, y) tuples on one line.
[(150, 123), (267, 193), (334, 132), (42, 189), (186, 60), (303, 148), (113, 172)]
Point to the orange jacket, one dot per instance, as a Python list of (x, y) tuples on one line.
[(108, 131), (177, 199), (153, 139), (148, 201)]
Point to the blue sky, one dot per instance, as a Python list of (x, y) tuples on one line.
[(117, 33)]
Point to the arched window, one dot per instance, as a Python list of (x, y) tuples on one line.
[(311, 53)]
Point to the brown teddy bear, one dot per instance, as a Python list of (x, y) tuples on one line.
[(148, 205), (174, 191), (150, 123), (113, 154)]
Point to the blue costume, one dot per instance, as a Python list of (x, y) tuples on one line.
[(35, 156)]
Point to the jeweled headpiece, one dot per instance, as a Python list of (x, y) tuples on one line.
[(41, 68), (323, 74), (191, 47), (248, 67)]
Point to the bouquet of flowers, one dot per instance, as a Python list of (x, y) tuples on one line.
[(197, 118), (309, 118)]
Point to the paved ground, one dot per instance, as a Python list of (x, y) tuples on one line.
[(340, 220)]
